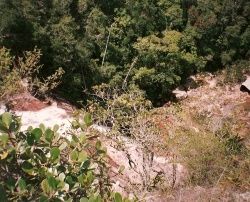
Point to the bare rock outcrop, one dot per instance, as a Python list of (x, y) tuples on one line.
[(245, 87), (25, 102), (143, 170), (180, 94)]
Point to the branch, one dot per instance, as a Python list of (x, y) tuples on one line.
[(105, 51), (131, 67)]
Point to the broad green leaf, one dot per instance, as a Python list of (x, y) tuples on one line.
[(75, 138), (75, 124), (86, 164), (98, 198), (88, 119), (40, 154), (52, 182), (30, 139), (14, 126), (95, 199), (42, 127), (42, 171), (54, 153), (90, 177), (82, 138), (82, 156), (74, 155), (118, 197), (27, 167), (21, 184), (81, 179), (4, 138), (102, 151), (70, 180), (61, 168), (60, 185), (6, 119), (11, 183), (3, 128), (49, 134), (98, 145), (45, 187), (37, 132), (69, 200)]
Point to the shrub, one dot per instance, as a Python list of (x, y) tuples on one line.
[(14, 71), (40, 165), (213, 159), (29, 68), (117, 108), (236, 72), (9, 79)]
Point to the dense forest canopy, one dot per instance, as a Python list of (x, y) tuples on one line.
[(153, 44)]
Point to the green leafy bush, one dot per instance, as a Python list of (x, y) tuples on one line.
[(13, 71), (40, 165), (117, 108), (9, 79), (29, 68)]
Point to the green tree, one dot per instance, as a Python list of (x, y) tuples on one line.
[(164, 61), (15, 29)]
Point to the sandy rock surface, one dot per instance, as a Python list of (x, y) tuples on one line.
[(142, 168), (49, 116)]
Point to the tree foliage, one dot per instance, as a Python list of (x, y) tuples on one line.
[(98, 41)]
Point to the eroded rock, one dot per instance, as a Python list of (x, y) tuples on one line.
[(245, 87), (25, 102), (143, 169), (180, 94)]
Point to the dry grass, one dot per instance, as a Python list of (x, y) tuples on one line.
[(209, 132)]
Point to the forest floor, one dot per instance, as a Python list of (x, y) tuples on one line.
[(158, 172)]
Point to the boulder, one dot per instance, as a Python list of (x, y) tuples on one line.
[(24, 102), (245, 87), (180, 94)]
